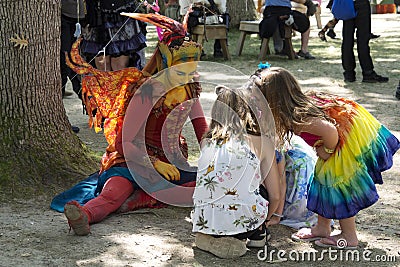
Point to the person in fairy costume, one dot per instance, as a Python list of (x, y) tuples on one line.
[(142, 118), (352, 146)]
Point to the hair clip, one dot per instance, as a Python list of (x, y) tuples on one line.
[(265, 65), (220, 88)]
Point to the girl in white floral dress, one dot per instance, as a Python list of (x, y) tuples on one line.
[(236, 157)]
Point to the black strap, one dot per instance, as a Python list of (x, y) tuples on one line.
[(214, 7)]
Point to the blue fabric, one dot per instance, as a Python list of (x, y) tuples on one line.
[(92, 186), (285, 3), (81, 192), (343, 9)]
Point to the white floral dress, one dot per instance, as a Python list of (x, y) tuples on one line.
[(226, 198)]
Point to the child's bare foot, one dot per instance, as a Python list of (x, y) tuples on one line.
[(274, 220), (338, 241), (310, 234)]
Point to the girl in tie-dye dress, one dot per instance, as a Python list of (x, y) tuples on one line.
[(352, 146)]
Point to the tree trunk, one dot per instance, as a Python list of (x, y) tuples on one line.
[(38, 151), (241, 10)]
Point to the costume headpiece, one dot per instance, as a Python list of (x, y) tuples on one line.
[(109, 92), (175, 45)]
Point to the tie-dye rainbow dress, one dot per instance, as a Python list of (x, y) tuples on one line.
[(345, 183)]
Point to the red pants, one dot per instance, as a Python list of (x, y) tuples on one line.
[(115, 191), (118, 189)]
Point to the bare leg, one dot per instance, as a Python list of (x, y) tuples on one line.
[(103, 63), (278, 41), (321, 229), (304, 40), (119, 63), (349, 234)]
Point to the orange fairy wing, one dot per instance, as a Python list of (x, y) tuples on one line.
[(106, 92)]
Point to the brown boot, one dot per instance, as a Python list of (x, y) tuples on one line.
[(77, 218), (222, 247)]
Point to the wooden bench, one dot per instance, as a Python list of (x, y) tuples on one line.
[(252, 27), (201, 33)]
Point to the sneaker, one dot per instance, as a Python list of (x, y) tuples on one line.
[(75, 129), (306, 55), (331, 33), (77, 218), (259, 238), (374, 78), (280, 53), (398, 92), (321, 36), (203, 54), (223, 247), (373, 36), (349, 79), (218, 54), (349, 76), (67, 93)]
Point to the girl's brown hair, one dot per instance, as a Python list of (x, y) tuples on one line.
[(289, 105), (231, 116)]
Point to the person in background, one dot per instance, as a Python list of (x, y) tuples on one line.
[(329, 27), (352, 146), (397, 94), (278, 12), (220, 5), (111, 39), (72, 13), (362, 22), (172, 10)]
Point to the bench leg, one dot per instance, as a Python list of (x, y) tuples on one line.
[(224, 48), (288, 43), (289, 48), (318, 17), (240, 43), (200, 39), (264, 51)]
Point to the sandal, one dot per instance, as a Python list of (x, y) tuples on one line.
[(321, 36), (77, 218), (305, 232), (340, 243)]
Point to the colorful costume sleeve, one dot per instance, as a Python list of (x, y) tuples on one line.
[(198, 120)]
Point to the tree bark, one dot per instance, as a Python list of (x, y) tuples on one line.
[(241, 10), (38, 150)]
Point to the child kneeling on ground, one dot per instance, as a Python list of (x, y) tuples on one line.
[(237, 157)]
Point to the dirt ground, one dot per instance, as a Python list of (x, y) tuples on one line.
[(33, 235)]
